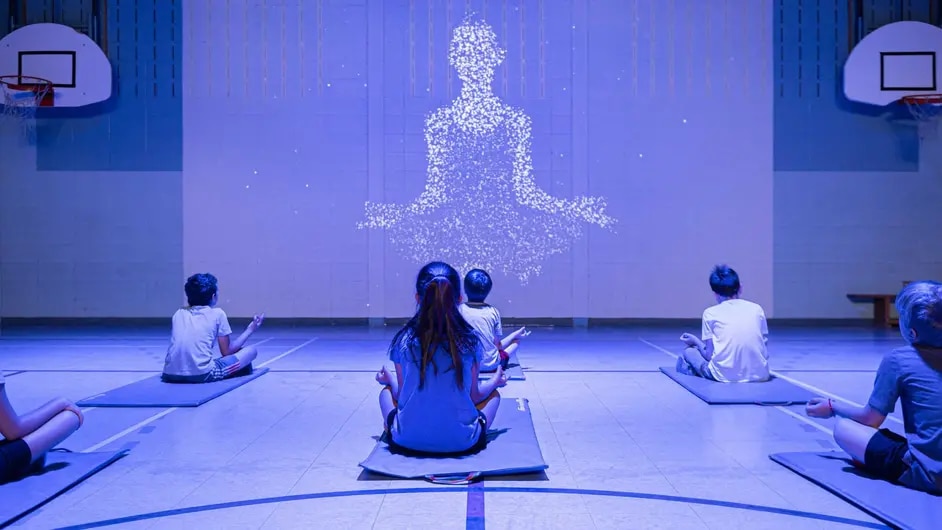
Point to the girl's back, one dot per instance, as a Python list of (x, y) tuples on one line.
[(437, 416)]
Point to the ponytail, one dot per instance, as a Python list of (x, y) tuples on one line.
[(438, 323)]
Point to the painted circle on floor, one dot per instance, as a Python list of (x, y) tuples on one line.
[(478, 489)]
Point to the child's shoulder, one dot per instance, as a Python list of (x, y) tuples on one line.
[(477, 306), (739, 306), (200, 310), (752, 305)]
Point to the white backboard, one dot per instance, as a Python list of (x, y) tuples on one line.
[(78, 69), (896, 60)]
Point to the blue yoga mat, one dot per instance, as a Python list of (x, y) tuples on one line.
[(152, 392), (776, 391), (514, 371), (512, 449), (61, 472), (891, 503)]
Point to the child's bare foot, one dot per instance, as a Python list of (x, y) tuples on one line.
[(383, 377)]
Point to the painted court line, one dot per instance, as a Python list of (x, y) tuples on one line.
[(473, 522), (289, 352), (129, 430), (790, 380), (475, 516), (806, 420), (165, 412)]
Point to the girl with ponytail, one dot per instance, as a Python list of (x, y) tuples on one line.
[(434, 403)]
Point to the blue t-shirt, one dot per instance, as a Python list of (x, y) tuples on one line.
[(440, 417), (915, 378)]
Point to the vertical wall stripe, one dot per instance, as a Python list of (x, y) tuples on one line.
[(579, 161), (523, 48), (376, 138), (542, 59), (505, 68)]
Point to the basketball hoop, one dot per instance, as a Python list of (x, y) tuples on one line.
[(22, 94), (924, 107)]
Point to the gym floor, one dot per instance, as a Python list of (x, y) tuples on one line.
[(626, 446)]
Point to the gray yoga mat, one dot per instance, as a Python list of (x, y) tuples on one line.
[(776, 391), (152, 392), (891, 503), (62, 472), (512, 449), (514, 371)]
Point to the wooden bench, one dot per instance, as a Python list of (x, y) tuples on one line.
[(882, 304)]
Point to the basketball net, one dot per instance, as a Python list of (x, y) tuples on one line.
[(21, 96), (926, 110)]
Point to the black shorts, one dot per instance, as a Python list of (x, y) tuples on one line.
[(15, 458), (885, 455), (481, 442)]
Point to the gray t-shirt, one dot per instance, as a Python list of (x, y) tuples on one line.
[(485, 319), (915, 378), (193, 340)]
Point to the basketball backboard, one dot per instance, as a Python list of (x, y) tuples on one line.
[(895, 60), (77, 67)]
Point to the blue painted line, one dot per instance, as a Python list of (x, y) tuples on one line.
[(96, 371), (475, 512), (496, 489)]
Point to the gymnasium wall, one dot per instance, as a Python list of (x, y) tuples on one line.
[(691, 118), (295, 116), (856, 189), (90, 213)]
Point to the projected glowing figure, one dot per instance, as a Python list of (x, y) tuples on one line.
[(481, 206)]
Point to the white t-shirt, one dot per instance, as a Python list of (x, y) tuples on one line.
[(740, 333), (485, 319), (193, 338)]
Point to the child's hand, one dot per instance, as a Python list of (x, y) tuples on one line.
[(819, 408), (500, 377), (383, 377), (688, 339), (256, 322)]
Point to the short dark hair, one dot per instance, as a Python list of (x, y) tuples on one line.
[(724, 281), (477, 285), (200, 289)]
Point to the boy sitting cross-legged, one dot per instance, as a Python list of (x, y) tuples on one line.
[(196, 330), (911, 375), (733, 347), (485, 319)]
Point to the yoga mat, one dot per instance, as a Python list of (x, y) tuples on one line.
[(776, 391), (512, 449), (514, 371), (891, 503), (152, 392), (62, 471)]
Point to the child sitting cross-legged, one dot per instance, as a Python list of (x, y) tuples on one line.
[(28, 437), (911, 375), (196, 330), (485, 319), (434, 403), (733, 344)]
